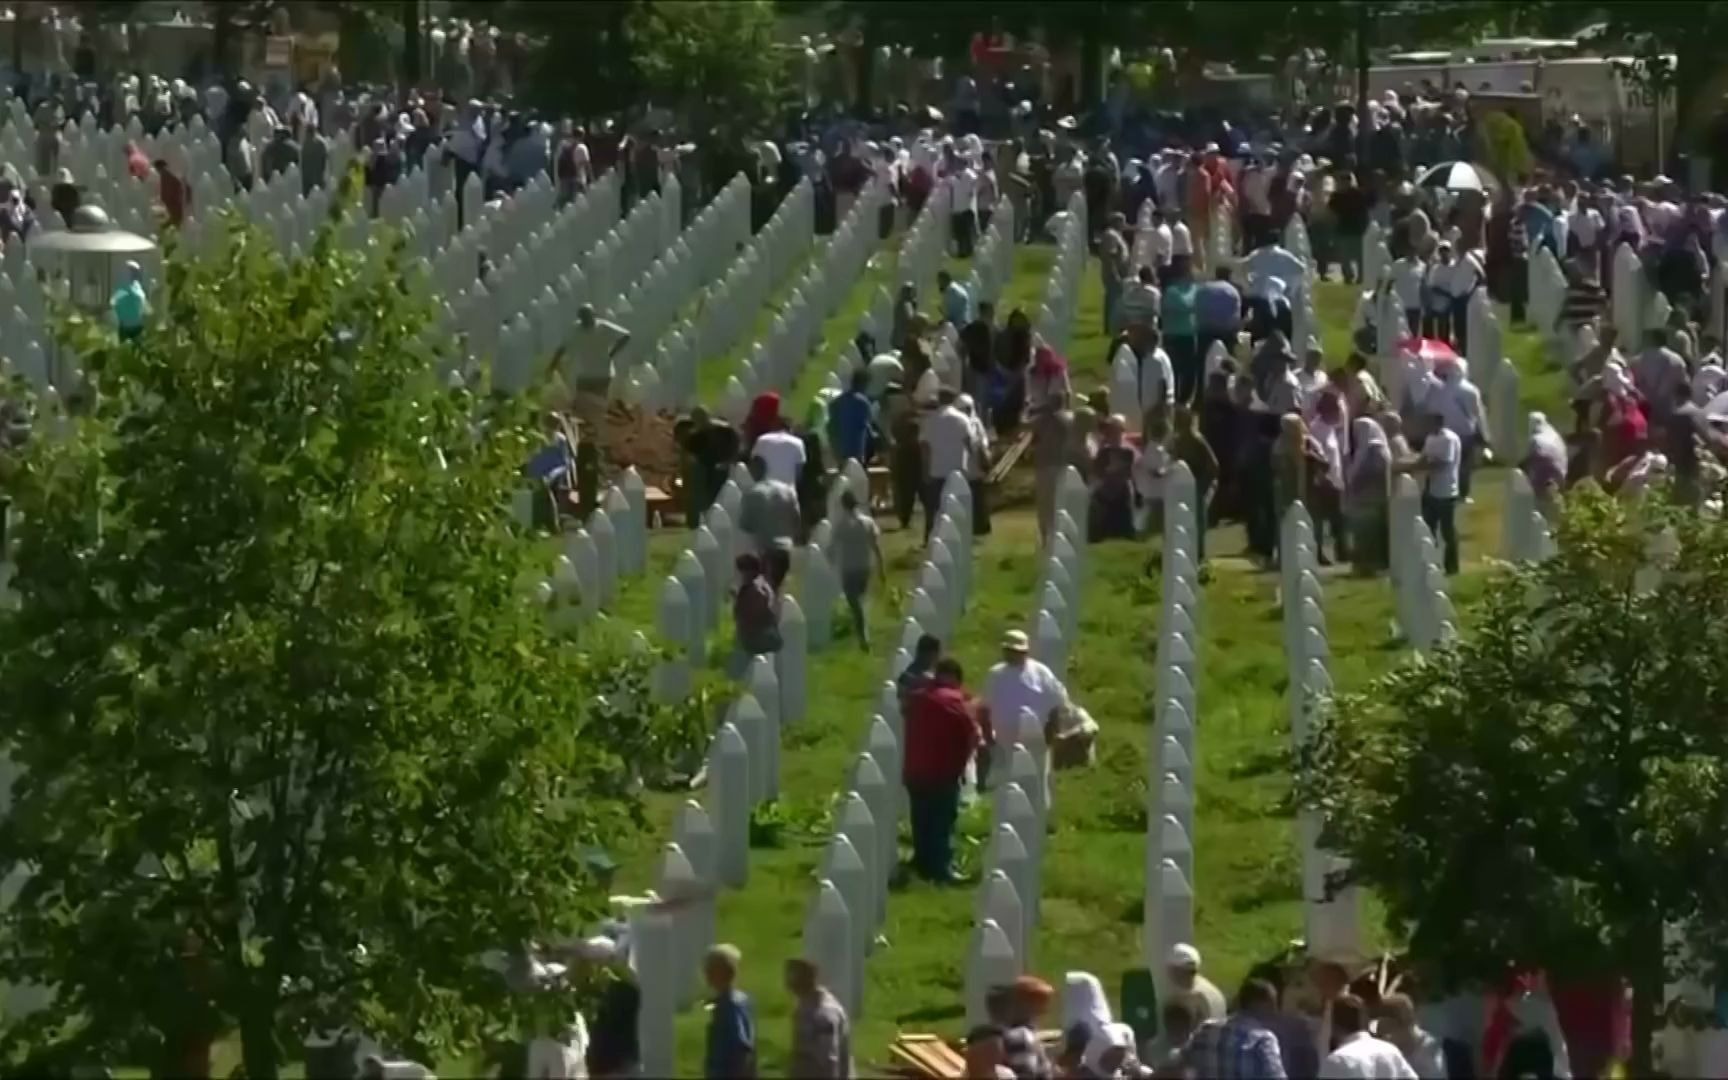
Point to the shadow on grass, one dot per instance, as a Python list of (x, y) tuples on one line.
[(1260, 763), (933, 1015), (1268, 883)]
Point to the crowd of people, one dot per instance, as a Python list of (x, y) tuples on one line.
[(1320, 1020)]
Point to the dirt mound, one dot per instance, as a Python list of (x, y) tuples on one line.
[(629, 436)]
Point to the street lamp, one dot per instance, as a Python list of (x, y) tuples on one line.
[(87, 256)]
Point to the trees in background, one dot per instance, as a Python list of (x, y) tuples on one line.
[(288, 744), (1551, 791)]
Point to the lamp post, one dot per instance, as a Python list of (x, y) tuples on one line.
[(88, 256)]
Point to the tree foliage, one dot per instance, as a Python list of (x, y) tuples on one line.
[(1505, 149), (714, 60), (1552, 790), (291, 744)]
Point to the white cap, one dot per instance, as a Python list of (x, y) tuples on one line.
[(1183, 956)]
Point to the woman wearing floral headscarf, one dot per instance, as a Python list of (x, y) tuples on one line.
[(1545, 463), (1367, 491)]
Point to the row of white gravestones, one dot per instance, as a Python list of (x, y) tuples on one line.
[(1423, 609), (922, 252), (1144, 230), (1495, 376), (1055, 321), (1376, 256), (1168, 903), (993, 261), (1716, 306), (1009, 898), (1221, 249), (1525, 536), (1332, 912), (1304, 323), (850, 904), (926, 244), (937, 600), (777, 361), (743, 772), (524, 312), (686, 269), (610, 546), (731, 309)]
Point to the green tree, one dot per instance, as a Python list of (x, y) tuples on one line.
[(713, 61), (293, 743), (1551, 790), (1505, 149)]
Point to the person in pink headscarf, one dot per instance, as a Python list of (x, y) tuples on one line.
[(1047, 379)]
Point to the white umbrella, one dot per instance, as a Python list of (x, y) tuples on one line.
[(1459, 176), (1717, 410)]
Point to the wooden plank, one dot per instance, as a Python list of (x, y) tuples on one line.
[(1007, 461)]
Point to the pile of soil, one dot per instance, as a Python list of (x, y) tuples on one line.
[(630, 436)]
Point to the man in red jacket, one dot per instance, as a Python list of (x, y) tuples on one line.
[(941, 736)]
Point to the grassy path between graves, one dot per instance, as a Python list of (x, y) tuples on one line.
[(713, 371), (765, 919)]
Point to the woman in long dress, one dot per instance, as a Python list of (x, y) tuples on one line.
[(1367, 494)]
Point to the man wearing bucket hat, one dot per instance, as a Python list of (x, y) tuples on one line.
[(1017, 684)]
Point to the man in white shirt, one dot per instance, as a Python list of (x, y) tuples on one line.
[(1163, 241), (947, 437), (1181, 240), (1407, 274), (1167, 180), (1270, 262), (1442, 454), (1397, 1025), (1157, 380), (590, 351), (1360, 1056), (1461, 280), (1017, 684), (1459, 402), (783, 453), (963, 190)]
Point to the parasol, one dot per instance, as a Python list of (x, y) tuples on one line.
[(1459, 176)]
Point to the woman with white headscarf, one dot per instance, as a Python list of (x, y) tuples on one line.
[(1546, 463), (1367, 494), (1709, 381), (978, 464), (1110, 1055), (1085, 1012)]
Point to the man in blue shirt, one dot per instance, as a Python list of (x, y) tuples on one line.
[(731, 1053), (131, 306), (1217, 313), (849, 417), (956, 301)]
